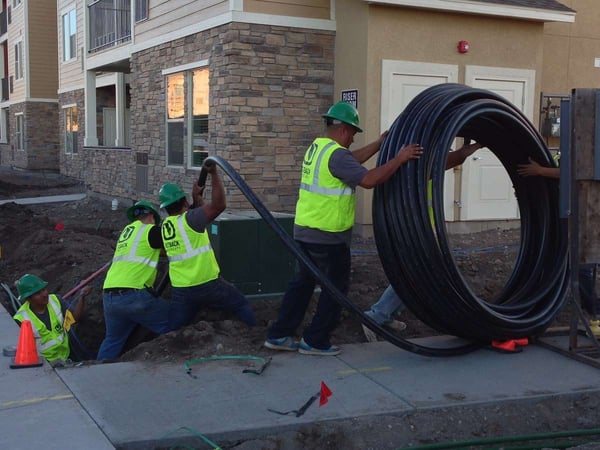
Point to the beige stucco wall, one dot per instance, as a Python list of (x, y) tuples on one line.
[(570, 50), (369, 33)]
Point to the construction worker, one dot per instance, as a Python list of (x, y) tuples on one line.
[(323, 227), (389, 304), (50, 319), (193, 268), (128, 298)]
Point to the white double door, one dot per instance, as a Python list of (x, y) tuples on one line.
[(486, 191)]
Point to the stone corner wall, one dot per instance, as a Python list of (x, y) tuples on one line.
[(269, 86)]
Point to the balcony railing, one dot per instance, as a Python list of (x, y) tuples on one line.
[(110, 23)]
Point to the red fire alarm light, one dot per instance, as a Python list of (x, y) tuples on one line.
[(463, 46)]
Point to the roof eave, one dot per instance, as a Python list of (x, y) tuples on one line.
[(489, 9)]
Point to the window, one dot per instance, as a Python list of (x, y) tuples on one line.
[(4, 125), (69, 31), (19, 130), (187, 116), (175, 114), (71, 129), (199, 116), (16, 3), (141, 10), (19, 60)]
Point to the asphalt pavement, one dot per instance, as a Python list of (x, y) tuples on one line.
[(149, 405)]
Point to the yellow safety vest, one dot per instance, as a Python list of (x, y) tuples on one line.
[(324, 202), (192, 260), (54, 343), (134, 261)]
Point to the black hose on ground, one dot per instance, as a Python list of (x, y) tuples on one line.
[(416, 256), (413, 347)]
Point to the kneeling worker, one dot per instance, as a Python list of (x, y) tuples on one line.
[(47, 314), (127, 297)]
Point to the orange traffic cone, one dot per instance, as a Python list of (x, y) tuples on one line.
[(27, 355)]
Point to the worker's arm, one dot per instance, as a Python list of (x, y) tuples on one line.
[(218, 202), (382, 173), (533, 169), (363, 154), (457, 157), (78, 311)]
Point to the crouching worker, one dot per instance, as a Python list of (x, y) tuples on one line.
[(50, 319), (193, 268), (128, 297)]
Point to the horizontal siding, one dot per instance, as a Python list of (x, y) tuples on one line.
[(312, 9), (42, 49), (16, 31), (165, 16), (71, 72)]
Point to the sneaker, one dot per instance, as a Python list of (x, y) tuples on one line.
[(395, 325), (370, 335), (306, 349), (285, 343)]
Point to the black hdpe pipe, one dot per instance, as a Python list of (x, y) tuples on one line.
[(416, 256), (415, 253), (322, 278)]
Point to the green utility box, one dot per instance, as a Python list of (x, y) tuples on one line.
[(250, 253)]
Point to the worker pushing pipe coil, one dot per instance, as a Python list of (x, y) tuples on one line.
[(416, 256)]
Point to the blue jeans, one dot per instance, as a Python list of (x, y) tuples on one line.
[(217, 294), (123, 312), (334, 261), (388, 305)]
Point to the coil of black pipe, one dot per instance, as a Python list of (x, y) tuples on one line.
[(416, 256), (415, 252)]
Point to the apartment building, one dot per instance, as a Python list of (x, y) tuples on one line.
[(148, 87), (29, 79)]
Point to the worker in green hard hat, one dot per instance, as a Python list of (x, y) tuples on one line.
[(50, 318), (323, 226), (128, 296), (193, 269)]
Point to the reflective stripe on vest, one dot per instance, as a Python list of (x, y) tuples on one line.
[(324, 202), (134, 262), (192, 260)]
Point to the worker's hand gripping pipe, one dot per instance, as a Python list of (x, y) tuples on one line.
[(415, 252), (461, 348)]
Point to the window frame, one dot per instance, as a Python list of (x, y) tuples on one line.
[(73, 149), (20, 131), (146, 10), (71, 38), (19, 66), (187, 120)]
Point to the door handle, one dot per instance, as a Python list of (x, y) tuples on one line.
[(476, 158)]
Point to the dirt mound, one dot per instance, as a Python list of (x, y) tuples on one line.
[(65, 243)]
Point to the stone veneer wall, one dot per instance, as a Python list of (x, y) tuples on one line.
[(269, 86), (72, 164), (40, 137)]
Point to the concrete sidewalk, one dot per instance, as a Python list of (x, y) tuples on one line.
[(143, 405)]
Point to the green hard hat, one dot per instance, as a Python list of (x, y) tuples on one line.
[(141, 208), (28, 285), (169, 193), (344, 112)]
